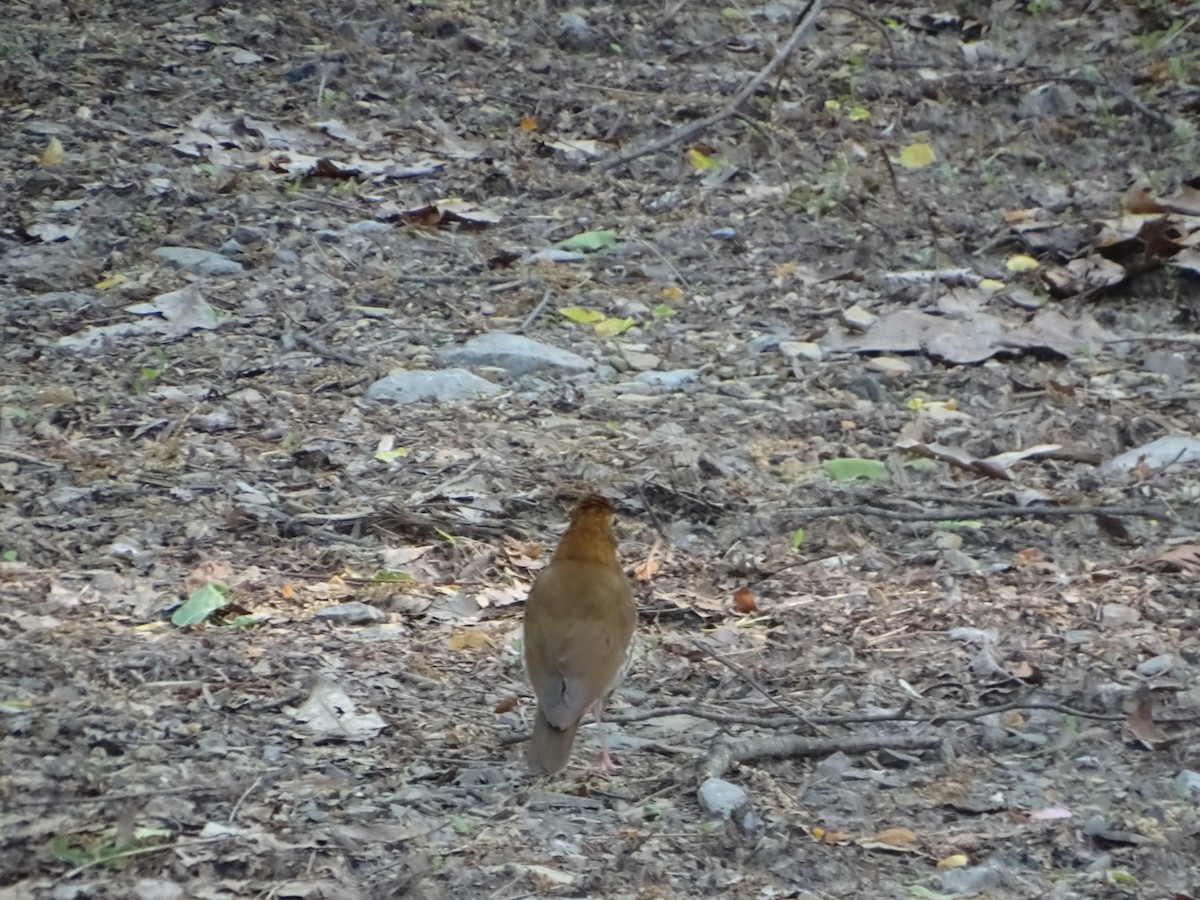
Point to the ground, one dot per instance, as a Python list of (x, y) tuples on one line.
[(928, 674)]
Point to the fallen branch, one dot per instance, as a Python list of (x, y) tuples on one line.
[(725, 752), (686, 132), (979, 512)]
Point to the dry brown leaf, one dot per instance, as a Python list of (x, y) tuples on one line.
[(744, 600), (508, 704), (830, 837), (1185, 557), (902, 839), (646, 569), (1141, 723)]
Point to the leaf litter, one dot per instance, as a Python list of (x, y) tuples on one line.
[(164, 428)]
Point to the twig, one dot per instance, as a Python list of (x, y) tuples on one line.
[(142, 851), (725, 752), (532, 317), (901, 715), (686, 132), (983, 512), (1154, 116), (750, 680), (308, 342)]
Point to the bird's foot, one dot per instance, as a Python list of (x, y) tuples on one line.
[(605, 763)]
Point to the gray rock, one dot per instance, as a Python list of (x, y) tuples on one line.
[(721, 798), (672, 380), (367, 226), (574, 32), (244, 234), (444, 386), (515, 354), (353, 613), (202, 262), (1187, 783), (1048, 101)]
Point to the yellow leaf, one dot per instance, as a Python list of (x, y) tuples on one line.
[(53, 154), (528, 123), (700, 162), (111, 281), (957, 861), (464, 639), (858, 113), (613, 327), (832, 105), (672, 293), (388, 456), (917, 156), (581, 315), (1020, 263), (991, 285)]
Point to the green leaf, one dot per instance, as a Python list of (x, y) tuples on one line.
[(851, 468), (663, 310), (613, 327), (797, 538), (447, 535), (246, 621), (203, 602), (389, 576), (16, 705), (591, 241), (581, 315), (10, 556), (462, 824), (71, 855)]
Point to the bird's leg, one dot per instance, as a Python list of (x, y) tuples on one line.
[(605, 762)]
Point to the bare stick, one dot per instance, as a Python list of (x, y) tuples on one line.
[(982, 512), (686, 132)]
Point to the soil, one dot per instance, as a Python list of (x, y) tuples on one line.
[(919, 672)]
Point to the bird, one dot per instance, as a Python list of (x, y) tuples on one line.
[(579, 621)]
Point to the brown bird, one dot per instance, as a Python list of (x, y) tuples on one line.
[(579, 622)]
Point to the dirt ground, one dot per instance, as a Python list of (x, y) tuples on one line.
[(898, 597)]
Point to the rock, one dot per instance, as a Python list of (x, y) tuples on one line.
[(802, 350), (245, 234), (1048, 100), (671, 381), (719, 797), (1158, 454), (574, 32), (515, 354), (1187, 782), (642, 362), (202, 262), (354, 613), (444, 386)]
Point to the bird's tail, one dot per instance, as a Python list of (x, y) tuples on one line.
[(549, 748)]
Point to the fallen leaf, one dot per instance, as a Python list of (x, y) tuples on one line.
[(53, 154), (1141, 723), (902, 839), (466, 639), (744, 600)]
